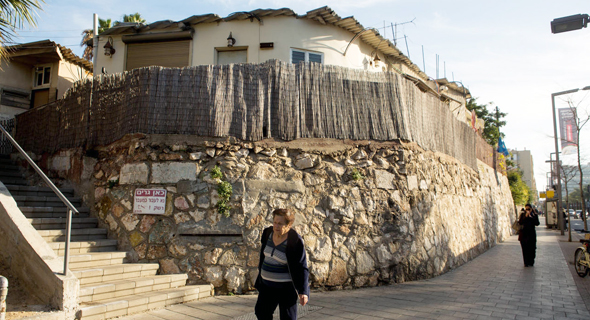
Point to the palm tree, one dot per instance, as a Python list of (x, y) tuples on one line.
[(14, 14), (102, 26), (88, 34), (134, 17)]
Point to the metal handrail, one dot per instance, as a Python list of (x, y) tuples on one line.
[(60, 195)]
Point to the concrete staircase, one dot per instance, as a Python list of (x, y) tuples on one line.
[(109, 287)]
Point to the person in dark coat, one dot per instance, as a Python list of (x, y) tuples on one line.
[(527, 236), (283, 276)]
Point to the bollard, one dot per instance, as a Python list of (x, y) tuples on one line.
[(3, 294)]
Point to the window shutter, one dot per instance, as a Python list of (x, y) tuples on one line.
[(314, 57), (169, 54), (297, 56)]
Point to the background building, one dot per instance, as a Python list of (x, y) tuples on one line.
[(524, 160)]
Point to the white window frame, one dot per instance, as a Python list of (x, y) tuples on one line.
[(43, 84), (306, 52)]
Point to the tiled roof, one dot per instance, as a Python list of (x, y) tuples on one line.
[(51, 46)]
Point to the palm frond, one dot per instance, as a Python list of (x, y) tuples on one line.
[(14, 14)]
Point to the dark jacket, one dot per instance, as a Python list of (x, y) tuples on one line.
[(296, 259), (528, 233)]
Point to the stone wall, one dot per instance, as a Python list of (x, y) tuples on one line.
[(370, 213)]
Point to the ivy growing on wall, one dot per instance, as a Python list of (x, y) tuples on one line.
[(224, 190)]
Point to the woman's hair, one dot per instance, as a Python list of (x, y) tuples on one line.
[(285, 213), (528, 205)]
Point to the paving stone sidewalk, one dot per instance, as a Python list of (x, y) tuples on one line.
[(494, 285)]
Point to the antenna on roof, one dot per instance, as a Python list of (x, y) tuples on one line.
[(394, 30)]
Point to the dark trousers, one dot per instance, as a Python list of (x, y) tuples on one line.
[(269, 298), (529, 247)]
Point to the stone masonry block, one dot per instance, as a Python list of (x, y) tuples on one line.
[(134, 173), (173, 172)]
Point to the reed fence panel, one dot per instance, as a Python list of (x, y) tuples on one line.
[(250, 102)]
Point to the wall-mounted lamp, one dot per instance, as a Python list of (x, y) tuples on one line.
[(109, 50), (230, 41)]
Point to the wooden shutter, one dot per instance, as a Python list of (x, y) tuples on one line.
[(165, 54)]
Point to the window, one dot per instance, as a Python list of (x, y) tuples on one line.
[(42, 76), (306, 56), (227, 55)]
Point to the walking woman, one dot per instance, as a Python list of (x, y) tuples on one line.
[(283, 276), (527, 236)]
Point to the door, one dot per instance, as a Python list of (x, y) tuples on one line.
[(40, 97)]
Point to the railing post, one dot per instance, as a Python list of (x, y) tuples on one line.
[(3, 294), (67, 248)]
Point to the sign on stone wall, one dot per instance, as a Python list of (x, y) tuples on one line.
[(149, 201)]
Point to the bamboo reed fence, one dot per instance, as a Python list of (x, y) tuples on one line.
[(250, 102)]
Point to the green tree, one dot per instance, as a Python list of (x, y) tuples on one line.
[(14, 14), (576, 195), (493, 120), (133, 17), (521, 193)]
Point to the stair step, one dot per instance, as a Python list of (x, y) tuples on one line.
[(13, 181), (75, 235), (62, 210), (121, 306), (17, 190), (8, 166), (131, 286), (60, 223), (114, 272), (41, 215), (96, 259), (10, 173), (52, 201), (105, 245)]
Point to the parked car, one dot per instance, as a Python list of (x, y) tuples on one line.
[(572, 213)]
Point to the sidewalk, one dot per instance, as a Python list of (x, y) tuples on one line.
[(495, 285)]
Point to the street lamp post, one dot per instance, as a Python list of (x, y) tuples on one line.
[(554, 187), (559, 206), (558, 164)]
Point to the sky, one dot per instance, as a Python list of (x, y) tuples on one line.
[(502, 51)]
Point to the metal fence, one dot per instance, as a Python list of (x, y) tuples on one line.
[(250, 102), (5, 145)]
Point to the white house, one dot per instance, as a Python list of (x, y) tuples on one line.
[(37, 73)]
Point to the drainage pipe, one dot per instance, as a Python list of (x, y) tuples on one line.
[(3, 294)]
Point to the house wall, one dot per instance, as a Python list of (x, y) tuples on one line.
[(114, 63), (16, 75), (67, 74), (284, 32)]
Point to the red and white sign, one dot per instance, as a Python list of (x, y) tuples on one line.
[(149, 201)]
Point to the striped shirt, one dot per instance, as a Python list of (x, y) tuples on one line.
[(275, 271)]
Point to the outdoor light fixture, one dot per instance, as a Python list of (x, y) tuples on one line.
[(230, 41), (109, 50), (569, 23)]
